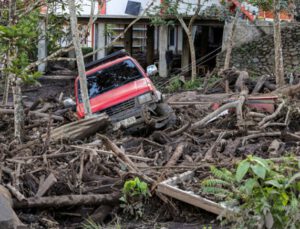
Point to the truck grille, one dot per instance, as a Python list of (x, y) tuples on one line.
[(120, 107)]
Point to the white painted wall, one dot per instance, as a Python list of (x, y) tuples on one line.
[(117, 7)]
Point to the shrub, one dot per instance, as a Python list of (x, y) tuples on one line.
[(265, 193)]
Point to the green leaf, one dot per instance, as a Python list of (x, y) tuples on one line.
[(274, 183), (259, 170), (261, 162), (284, 198), (242, 169), (293, 178), (249, 185)]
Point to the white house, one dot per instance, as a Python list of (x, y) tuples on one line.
[(145, 41)]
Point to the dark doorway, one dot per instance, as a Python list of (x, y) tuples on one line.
[(208, 43)]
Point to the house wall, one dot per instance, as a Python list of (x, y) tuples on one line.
[(117, 7)]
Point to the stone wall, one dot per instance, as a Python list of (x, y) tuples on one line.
[(257, 56), (246, 31)]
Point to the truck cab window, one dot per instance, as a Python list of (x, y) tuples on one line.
[(110, 78)]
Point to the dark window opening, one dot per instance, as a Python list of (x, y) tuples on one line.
[(110, 78), (172, 36)]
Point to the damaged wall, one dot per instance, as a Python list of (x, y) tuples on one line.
[(258, 55)]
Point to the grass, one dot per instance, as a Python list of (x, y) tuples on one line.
[(176, 84)]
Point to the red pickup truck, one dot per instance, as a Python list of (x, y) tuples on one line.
[(119, 86)]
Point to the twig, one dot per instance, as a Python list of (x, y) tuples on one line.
[(272, 116), (270, 134)]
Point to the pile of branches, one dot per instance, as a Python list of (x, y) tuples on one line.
[(70, 175)]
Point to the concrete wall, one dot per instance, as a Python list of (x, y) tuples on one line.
[(258, 56)]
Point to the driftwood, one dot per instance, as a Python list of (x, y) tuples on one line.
[(272, 116), (259, 135), (176, 155), (260, 83), (117, 151), (15, 192), (181, 130), (46, 185), (80, 129), (288, 90), (123, 157), (240, 83), (67, 200), (235, 104), (34, 113)]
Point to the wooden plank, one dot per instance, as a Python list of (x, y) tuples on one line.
[(167, 188)]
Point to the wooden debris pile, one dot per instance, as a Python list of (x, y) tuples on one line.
[(83, 177)]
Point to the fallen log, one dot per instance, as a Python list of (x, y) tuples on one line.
[(80, 129), (235, 104), (67, 200), (291, 91), (33, 113)]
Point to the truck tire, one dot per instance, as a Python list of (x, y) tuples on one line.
[(164, 110)]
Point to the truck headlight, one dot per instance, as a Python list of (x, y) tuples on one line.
[(145, 98)]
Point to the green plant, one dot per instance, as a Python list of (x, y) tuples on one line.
[(192, 85), (134, 193), (265, 192), (90, 224), (175, 84)]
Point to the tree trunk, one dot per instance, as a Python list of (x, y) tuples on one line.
[(229, 47), (18, 109), (6, 85), (279, 71), (193, 56), (14, 81), (192, 48), (79, 59)]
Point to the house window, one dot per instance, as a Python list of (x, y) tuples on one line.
[(172, 36)]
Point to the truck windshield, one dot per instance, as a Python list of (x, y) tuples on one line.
[(110, 78)]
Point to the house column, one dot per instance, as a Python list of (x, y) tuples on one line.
[(42, 45), (100, 40), (150, 44), (185, 54), (128, 40), (163, 47)]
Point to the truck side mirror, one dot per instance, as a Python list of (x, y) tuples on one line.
[(151, 70)]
